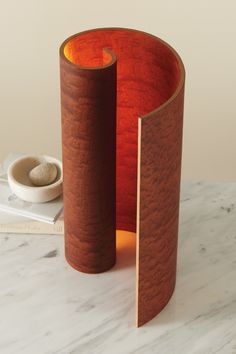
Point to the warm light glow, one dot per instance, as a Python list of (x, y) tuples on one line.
[(125, 240), (87, 58), (148, 74)]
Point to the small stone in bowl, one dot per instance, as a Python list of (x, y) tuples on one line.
[(43, 174)]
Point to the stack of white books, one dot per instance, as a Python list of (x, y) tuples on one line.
[(18, 216)]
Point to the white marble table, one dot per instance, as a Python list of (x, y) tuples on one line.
[(48, 307)]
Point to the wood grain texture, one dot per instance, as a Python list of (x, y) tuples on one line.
[(88, 101), (149, 84), (158, 206), (147, 76)]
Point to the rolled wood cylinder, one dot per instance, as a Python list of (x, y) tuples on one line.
[(124, 175), (88, 101)]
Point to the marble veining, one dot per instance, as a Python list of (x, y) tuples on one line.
[(46, 307)]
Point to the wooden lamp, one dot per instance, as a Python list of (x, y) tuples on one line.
[(122, 94)]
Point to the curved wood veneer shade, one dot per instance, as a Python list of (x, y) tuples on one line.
[(122, 110)]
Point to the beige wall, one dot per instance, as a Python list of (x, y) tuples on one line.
[(203, 32)]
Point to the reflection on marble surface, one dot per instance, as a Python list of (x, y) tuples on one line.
[(48, 307)]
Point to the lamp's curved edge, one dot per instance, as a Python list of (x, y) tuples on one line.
[(158, 191), (140, 321), (88, 269)]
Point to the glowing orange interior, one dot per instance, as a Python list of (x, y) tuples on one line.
[(148, 73)]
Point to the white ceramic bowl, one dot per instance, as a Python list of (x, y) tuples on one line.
[(21, 186)]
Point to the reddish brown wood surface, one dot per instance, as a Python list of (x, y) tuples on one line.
[(88, 100), (150, 77), (147, 73), (160, 146)]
